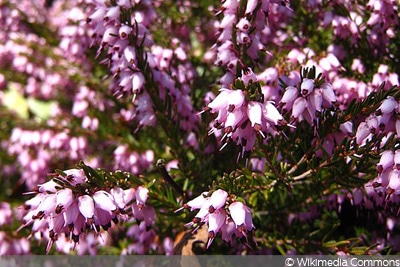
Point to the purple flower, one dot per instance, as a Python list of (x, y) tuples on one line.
[(307, 87), (241, 216), (62, 205), (217, 200), (388, 106), (386, 161), (308, 101), (216, 220), (221, 215), (235, 111)]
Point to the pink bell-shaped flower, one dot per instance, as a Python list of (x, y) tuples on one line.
[(327, 93), (397, 159), (235, 100), (220, 102), (299, 106), (86, 206), (195, 203), (130, 54), (394, 182), (137, 82), (290, 94), (241, 216), (215, 221), (118, 195), (75, 176), (141, 194), (271, 113), (307, 86), (217, 200), (243, 25), (124, 31), (386, 161), (228, 230), (71, 214), (248, 74), (254, 112), (47, 206), (103, 200), (388, 106), (64, 199), (362, 132), (49, 187)]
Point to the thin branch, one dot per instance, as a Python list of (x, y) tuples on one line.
[(307, 173), (168, 178), (296, 166)]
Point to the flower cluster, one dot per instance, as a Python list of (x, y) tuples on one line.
[(387, 183), (244, 29), (383, 122), (13, 246), (243, 112), (135, 62), (117, 84), (222, 214), (64, 205), (308, 99)]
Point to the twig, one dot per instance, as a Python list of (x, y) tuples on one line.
[(307, 173), (296, 166), (168, 178)]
